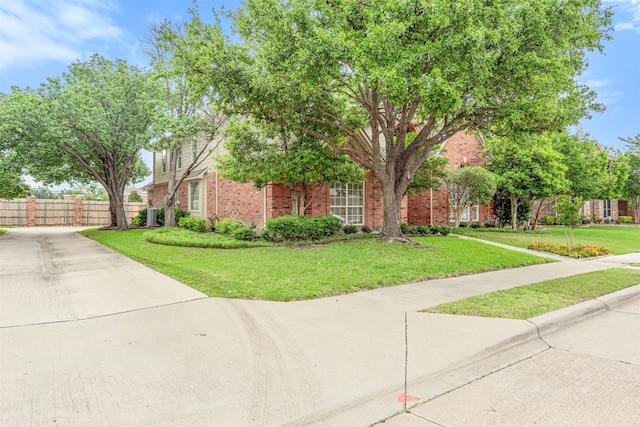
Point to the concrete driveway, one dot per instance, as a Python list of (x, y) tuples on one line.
[(89, 337)]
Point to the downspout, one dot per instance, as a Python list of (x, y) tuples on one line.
[(431, 207), (264, 206), (217, 191)]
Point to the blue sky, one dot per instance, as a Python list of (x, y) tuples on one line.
[(40, 38)]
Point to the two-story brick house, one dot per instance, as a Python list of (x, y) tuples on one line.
[(206, 194)]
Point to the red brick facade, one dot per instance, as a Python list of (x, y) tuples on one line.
[(222, 198), (432, 206)]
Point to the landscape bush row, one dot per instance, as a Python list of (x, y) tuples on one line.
[(578, 251), (282, 229), (592, 219)]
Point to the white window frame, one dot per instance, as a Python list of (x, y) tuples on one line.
[(193, 200), (164, 160), (344, 202), (194, 150), (464, 215)]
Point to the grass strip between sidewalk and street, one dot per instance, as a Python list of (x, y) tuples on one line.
[(524, 302), (287, 273)]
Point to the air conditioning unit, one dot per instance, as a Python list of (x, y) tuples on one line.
[(151, 217)]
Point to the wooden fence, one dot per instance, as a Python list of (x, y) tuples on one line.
[(32, 212)]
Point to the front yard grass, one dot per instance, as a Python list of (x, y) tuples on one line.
[(619, 239), (288, 273), (524, 302)]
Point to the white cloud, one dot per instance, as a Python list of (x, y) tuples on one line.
[(627, 14), (36, 31)]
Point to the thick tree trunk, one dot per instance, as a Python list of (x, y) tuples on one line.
[(169, 211), (112, 214), (121, 218), (170, 198), (514, 211), (391, 230)]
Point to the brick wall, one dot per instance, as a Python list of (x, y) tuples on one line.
[(432, 207)]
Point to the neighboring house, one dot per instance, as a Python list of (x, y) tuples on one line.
[(205, 194), (595, 211)]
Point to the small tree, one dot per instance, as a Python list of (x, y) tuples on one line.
[(527, 168), (261, 154), (134, 197), (570, 217), (45, 193), (474, 185), (187, 118)]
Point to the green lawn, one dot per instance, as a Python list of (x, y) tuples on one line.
[(2, 231), (295, 273), (524, 302), (619, 239)]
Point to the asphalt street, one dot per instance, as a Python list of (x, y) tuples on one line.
[(89, 337)]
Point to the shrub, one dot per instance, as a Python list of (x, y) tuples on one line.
[(350, 229), (194, 224), (228, 226), (625, 219), (290, 227), (489, 224), (244, 233), (475, 225), (443, 229), (549, 220), (365, 229), (141, 218), (420, 230), (463, 224), (178, 213), (404, 228)]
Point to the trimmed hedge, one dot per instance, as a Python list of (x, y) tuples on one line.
[(290, 227)]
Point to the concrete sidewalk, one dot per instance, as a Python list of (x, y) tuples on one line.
[(152, 351)]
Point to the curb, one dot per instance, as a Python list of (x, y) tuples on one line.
[(558, 319), (509, 351)]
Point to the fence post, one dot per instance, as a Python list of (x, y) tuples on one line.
[(77, 211), (31, 211)]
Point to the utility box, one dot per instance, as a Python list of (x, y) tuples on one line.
[(151, 217)]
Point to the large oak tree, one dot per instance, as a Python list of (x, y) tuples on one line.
[(87, 125), (365, 76)]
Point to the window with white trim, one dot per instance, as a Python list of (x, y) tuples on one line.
[(194, 196), (164, 160), (346, 201), (194, 149), (464, 214)]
